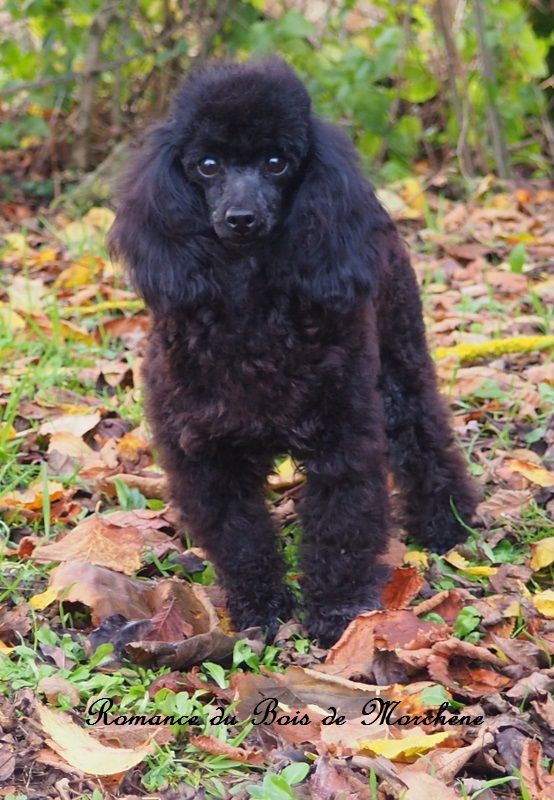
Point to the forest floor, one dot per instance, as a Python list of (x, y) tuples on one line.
[(100, 597)]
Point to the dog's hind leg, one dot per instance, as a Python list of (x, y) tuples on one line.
[(219, 493), (428, 467)]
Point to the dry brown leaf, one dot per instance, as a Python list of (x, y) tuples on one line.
[(421, 786), (511, 283), (14, 622), (55, 685), (537, 781), (153, 486), (545, 710), (450, 664), (216, 747), (106, 541), (105, 592), (382, 629), (333, 782), (504, 503), (77, 424), (168, 625), (403, 587), (446, 604)]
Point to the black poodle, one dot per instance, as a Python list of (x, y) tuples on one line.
[(285, 318)]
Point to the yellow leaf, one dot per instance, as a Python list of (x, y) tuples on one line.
[(5, 648), (76, 334), (512, 610), (533, 473), (73, 276), (17, 243), (415, 558), (10, 318), (32, 497), (42, 257), (457, 560), (544, 603), (26, 142), (480, 571), (407, 747), (78, 233), (39, 602), (285, 475), (83, 751), (543, 553), (100, 218), (7, 431)]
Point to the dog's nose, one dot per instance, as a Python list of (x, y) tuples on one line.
[(240, 220)]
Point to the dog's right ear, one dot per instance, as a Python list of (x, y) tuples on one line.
[(157, 227)]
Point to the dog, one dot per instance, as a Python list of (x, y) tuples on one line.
[(286, 318)]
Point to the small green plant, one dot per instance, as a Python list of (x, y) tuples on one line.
[(278, 787), (466, 624)]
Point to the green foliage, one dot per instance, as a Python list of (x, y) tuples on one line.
[(384, 77), (279, 787), (466, 624)]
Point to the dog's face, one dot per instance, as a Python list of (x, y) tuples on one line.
[(244, 199), (245, 143)]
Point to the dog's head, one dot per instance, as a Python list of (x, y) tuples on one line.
[(245, 132), (242, 166)]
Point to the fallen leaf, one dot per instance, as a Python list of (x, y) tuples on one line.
[(416, 558), (532, 472), (32, 498), (505, 503), (538, 783), (55, 685), (82, 751), (39, 602), (410, 746), (544, 603), (99, 541), (14, 622), (285, 475), (217, 747), (456, 559), (152, 486), (77, 424), (421, 786), (403, 587), (542, 554), (354, 651)]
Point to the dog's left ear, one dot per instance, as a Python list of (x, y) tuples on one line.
[(335, 225)]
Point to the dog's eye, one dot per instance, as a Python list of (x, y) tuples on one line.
[(276, 165), (208, 167)]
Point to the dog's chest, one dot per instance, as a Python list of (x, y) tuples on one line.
[(249, 371)]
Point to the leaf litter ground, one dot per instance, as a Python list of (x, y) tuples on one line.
[(101, 598)]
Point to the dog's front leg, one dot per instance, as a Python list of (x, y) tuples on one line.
[(344, 517), (219, 493)]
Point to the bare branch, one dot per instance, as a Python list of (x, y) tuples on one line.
[(444, 16), (487, 67)]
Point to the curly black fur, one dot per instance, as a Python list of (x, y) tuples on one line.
[(301, 333)]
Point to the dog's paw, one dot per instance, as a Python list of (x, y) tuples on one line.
[(443, 531), (262, 612), (328, 623)]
